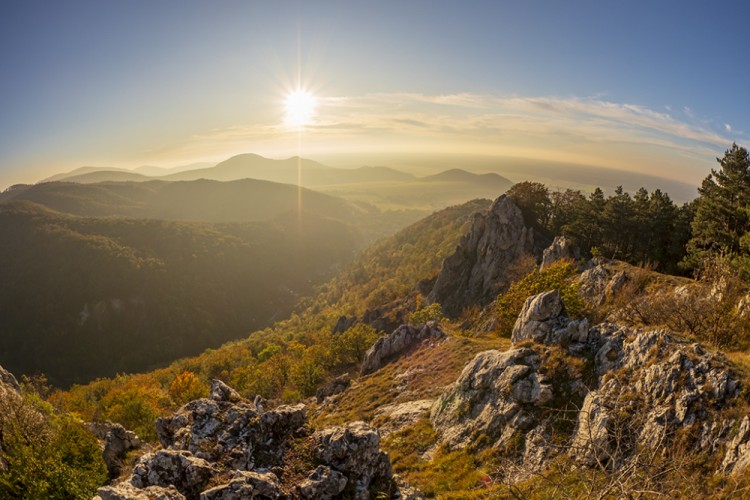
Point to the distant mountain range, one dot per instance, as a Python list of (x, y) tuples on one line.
[(384, 187), (295, 170)]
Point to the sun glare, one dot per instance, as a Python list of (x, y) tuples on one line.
[(300, 108)]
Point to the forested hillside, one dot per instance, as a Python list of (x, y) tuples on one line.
[(87, 297)]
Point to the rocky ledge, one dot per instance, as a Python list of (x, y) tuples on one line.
[(226, 447), (604, 396)]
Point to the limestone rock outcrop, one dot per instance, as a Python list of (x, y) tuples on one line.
[(475, 273), (323, 483), (8, 383), (737, 457), (494, 396), (187, 473), (543, 320), (630, 390), (561, 248), (398, 341), (599, 284), (670, 385), (238, 435), (116, 441), (228, 448)]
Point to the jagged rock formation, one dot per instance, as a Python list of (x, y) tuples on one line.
[(354, 452), (659, 385), (561, 248), (598, 284), (633, 391), (398, 341), (239, 435), (475, 273), (116, 441), (229, 448), (543, 320), (491, 398), (737, 458)]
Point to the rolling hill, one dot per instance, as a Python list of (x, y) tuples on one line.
[(89, 297)]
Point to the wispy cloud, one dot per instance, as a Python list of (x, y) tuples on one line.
[(591, 130)]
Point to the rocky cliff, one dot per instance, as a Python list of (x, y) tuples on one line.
[(476, 271)]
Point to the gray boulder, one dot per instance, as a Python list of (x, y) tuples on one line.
[(598, 284), (543, 320), (126, 491), (240, 435), (354, 451), (494, 396), (475, 273), (117, 442), (222, 392), (178, 468), (323, 484), (398, 341), (245, 485)]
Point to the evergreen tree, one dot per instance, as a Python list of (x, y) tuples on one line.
[(721, 217)]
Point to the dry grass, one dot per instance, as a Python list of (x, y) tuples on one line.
[(419, 374)]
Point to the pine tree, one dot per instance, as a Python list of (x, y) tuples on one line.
[(721, 217)]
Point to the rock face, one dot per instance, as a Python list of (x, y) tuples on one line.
[(228, 448), (543, 320), (401, 339), (670, 385), (10, 392), (493, 397), (117, 441), (178, 468), (737, 457), (239, 435), (629, 391), (598, 284), (561, 248), (354, 451), (474, 274)]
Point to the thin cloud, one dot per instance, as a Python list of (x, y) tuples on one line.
[(604, 132)]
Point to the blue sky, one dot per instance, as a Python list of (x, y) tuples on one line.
[(658, 87)]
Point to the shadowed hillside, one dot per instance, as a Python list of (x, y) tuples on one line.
[(86, 297)]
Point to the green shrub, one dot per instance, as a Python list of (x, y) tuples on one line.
[(433, 312), (48, 455), (557, 276)]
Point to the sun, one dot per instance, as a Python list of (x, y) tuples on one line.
[(300, 108)]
